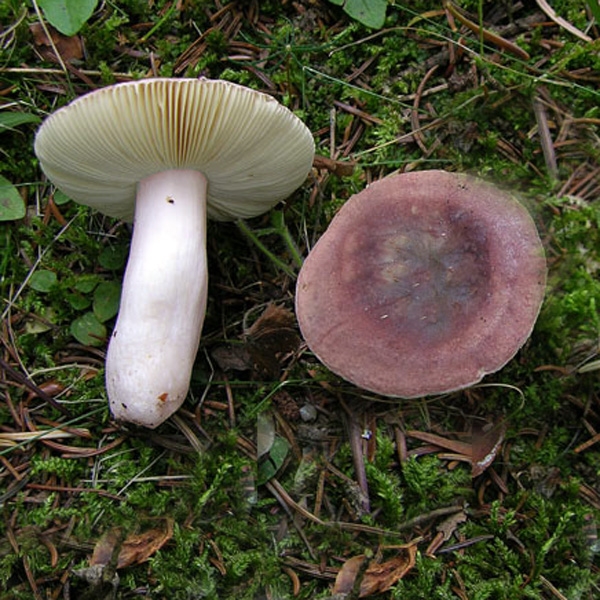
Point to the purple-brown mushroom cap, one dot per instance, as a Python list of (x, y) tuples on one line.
[(422, 284)]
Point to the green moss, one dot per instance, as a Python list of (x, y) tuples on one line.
[(427, 483)]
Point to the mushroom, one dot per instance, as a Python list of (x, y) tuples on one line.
[(422, 284), (167, 153)]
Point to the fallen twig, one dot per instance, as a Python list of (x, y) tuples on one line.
[(551, 14), (486, 34)]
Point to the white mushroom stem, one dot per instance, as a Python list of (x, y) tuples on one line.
[(163, 302)]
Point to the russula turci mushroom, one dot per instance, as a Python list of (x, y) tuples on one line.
[(422, 284), (172, 151)]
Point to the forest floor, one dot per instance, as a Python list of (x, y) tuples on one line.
[(353, 495)]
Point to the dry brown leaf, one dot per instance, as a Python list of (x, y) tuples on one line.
[(272, 336), (486, 442), (232, 358), (337, 167), (106, 547), (378, 577), (344, 581), (51, 388), (135, 549), (139, 548), (273, 319), (69, 48), (442, 442)]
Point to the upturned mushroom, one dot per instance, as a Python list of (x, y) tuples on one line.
[(422, 284), (167, 153)]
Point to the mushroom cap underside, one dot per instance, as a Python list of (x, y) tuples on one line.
[(422, 284), (252, 150)]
